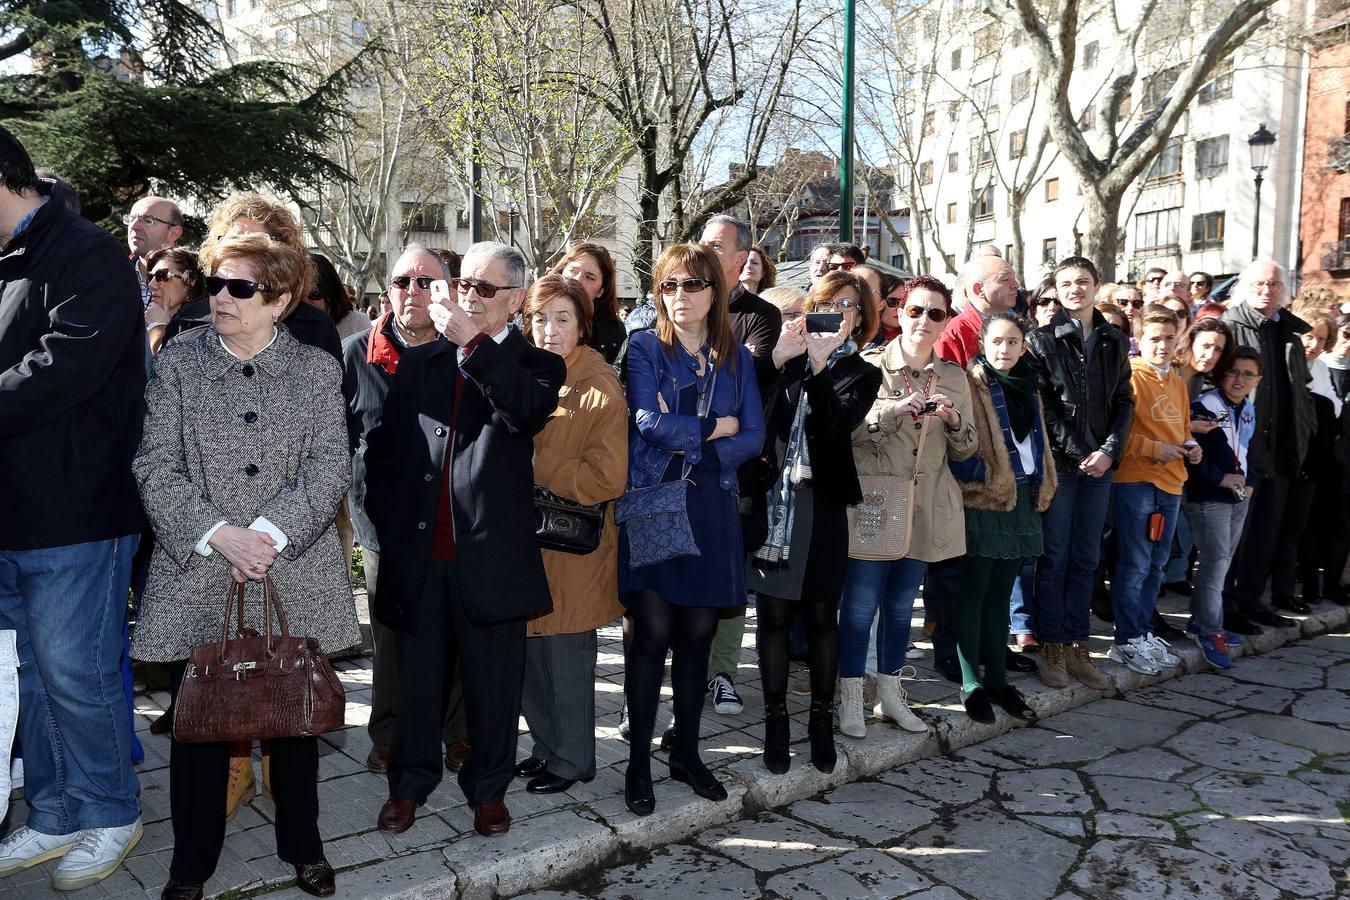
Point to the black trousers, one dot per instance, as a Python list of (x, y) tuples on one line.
[(198, 779), (1284, 567), (941, 588), (1255, 556), (492, 665)]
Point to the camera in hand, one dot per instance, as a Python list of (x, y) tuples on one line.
[(823, 322), (929, 408)]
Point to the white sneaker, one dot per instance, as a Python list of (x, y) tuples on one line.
[(1160, 652), (726, 701), (26, 847), (95, 856), (1134, 655)]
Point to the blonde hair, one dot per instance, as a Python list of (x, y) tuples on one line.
[(278, 266), (276, 220)]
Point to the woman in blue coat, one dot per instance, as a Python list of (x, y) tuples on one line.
[(695, 415)]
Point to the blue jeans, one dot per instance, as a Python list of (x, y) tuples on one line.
[(1073, 543), (892, 586), (1217, 528), (1022, 603), (1139, 570), (69, 608), (1175, 570)]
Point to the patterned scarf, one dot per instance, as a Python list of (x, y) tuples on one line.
[(796, 469)]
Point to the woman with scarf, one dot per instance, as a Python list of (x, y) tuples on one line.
[(823, 390), (1006, 486)]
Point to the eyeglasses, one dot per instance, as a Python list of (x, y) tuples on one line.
[(485, 289), (690, 285), (837, 305), (934, 314), (401, 282), (160, 276), (145, 219), (1237, 375), (839, 266), (239, 288)]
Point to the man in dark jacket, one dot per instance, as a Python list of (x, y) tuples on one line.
[(1083, 367), (369, 362), (449, 477), (1285, 421), (72, 377)]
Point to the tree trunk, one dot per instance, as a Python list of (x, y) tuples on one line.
[(1102, 239), (1018, 258)]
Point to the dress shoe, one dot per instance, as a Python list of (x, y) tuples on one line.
[(703, 782), (455, 755), (1027, 643), (316, 879), (978, 706), (548, 783), (491, 819), (1013, 703), (667, 739), (1291, 604), (1165, 630), (164, 725), (377, 760), (638, 794), (1274, 620), (397, 814), (949, 668), (1019, 662), (178, 890), (1240, 624), (528, 768)]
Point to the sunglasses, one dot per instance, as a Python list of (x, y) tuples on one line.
[(1199, 284), (837, 305), (402, 281), (836, 267), (893, 302), (239, 288), (485, 289), (934, 314), (690, 285), (1156, 279), (1046, 301), (1137, 302), (160, 276)]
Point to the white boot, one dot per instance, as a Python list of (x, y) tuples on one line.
[(9, 711), (851, 707), (893, 703)]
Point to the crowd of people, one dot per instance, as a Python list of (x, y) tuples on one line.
[(176, 421)]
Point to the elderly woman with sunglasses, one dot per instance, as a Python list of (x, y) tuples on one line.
[(242, 465), (920, 420)]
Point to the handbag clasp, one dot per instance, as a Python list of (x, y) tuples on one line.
[(241, 670)]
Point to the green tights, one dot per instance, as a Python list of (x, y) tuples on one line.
[(980, 619)]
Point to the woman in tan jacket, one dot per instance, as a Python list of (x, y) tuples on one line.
[(921, 396), (580, 455)]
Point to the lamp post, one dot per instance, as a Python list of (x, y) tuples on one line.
[(1260, 143), (846, 136)]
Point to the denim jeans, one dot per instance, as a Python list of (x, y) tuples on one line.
[(69, 607), (1022, 602), (892, 586), (1073, 543), (1217, 528), (1139, 570), (1184, 543)]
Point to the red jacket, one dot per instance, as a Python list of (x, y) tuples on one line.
[(960, 342)]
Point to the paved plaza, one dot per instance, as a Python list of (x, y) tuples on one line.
[(1201, 785)]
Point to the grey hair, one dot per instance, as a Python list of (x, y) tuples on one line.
[(493, 250), (423, 248), (742, 227), (1248, 275)]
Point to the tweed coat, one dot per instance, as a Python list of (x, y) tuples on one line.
[(231, 440)]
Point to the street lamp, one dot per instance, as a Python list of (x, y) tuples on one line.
[(1260, 143)]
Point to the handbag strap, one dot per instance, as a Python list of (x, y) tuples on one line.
[(234, 602)]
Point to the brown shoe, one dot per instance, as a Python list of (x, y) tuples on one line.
[(317, 878), (1053, 673), (1079, 664), (491, 819), (1027, 643), (397, 814), (455, 755), (378, 759), (178, 890)]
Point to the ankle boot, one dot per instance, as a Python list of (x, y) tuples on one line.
[(821, 731), (893, 703), (851, 707), (776, 736)]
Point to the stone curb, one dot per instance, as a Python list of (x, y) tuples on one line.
[(547, 850)]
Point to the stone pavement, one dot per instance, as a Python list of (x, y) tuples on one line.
[(1202, 787), (1293, 694)]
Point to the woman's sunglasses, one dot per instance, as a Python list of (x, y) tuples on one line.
[(239, 288), (161, 276), (934, 314), (690, 285)]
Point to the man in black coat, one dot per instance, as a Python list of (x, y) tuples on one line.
[(72, 378), (449, 475)]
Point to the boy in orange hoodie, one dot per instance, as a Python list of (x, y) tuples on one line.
[(1147, 491)]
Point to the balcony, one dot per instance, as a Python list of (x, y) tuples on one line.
[(1336, 258)]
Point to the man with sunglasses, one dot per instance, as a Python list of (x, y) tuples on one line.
[(369, 362), (449, 476), (1151, 284), (153, 224), (72, 377)]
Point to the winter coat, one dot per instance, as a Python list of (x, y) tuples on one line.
[(989, 478), (1247, 326)]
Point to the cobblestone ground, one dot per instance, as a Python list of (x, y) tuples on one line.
[(1205, 786)]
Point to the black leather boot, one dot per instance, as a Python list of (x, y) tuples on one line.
[(776, 735), (821, 731)]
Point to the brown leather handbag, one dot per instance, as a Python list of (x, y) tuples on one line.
[(253, 686)]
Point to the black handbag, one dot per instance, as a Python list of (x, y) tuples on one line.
[(566, 525)]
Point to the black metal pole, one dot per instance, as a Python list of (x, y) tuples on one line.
[(1256, 225)]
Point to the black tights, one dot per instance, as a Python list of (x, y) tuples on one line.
[(773, 623), (658, 626)]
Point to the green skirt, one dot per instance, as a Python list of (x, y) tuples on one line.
[(1015, 534)]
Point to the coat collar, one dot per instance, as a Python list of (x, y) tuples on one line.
[(277, 359), (893, 361)]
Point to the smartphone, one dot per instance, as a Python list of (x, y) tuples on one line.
[(441, 293), (823, 323)]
